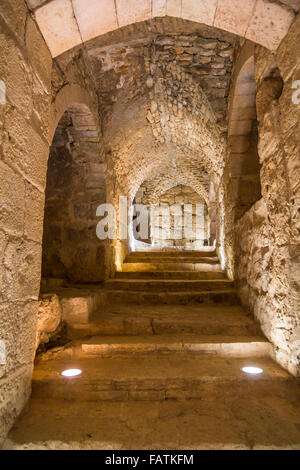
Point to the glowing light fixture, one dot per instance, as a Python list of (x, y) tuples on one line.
[(252, 370), (71, 372)]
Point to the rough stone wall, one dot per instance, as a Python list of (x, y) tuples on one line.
[(161, 229), (268, 235), (156, 116), (244, 180), (38, 92), (75, 188), (25, 68)]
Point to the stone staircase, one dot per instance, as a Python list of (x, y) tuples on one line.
[(174, 277), (165, 350)]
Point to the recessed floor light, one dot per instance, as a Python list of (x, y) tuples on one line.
[(252, 370), (71, 372)]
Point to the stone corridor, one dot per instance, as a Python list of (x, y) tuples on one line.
[(184, 116), (162, 367)]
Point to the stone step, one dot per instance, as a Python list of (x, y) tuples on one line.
[(169, 259), (139, 320), (161, 377), (230, 416), (222, 346), (158, 266), (226, 297), (187, 275), (172, 254), (169, 285)]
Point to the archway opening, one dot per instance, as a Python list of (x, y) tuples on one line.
[(75, 187)]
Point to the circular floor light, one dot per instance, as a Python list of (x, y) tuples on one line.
[(252, 370), (71, 372)]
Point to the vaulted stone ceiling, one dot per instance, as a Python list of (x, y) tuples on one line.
[(119, 59), (67, 23)]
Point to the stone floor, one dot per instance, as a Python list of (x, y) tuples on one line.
[(225, 410), (162, 375)]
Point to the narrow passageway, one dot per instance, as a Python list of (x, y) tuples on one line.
[(149, 224)]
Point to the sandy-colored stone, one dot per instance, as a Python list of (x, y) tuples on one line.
[(49, 317), (159, 8), (234, 16), (272, 18), (129, 11), (58, 26), (203, 12), (174, 8), (95, 18)]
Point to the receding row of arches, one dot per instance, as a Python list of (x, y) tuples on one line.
[(157, 173)]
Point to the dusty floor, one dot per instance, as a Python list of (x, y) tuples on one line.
[(140, 403)]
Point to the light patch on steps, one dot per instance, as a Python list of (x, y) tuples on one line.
[(71, 372), (252, 370)]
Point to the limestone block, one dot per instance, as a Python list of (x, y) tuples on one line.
[(234, 16), (18, 331), (290, 110), (38, 53), (58, 26), (34, 213), (174, 8), (78, 310), (49, 317), (95, 17), (25, 150), (272, 18), (265, 61), (288, 52), (15, 390), (202, 12), (17, 77), (244, 164), (159, 8), (239, 144), (241, 127), (12, 195), (35, 3), (14, 14), (130, 11), (22, 270)]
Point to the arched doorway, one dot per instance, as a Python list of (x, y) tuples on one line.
[(75, 187)]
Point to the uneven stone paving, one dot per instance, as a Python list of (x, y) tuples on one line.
[(160, 376)]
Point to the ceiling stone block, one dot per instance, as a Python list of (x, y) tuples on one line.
[(174, 8), (202, 11), (234, 15), (35, 3), (133, 11), (58, 26), (95, 17), (159, 8), (269, 24)]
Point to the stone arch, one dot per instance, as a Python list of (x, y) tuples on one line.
[(244, 167), (170, 185), (76, 185), (167, 179), (66, 24), (68, 96)]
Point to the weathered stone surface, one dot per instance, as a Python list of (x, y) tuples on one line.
[(12, 194), (271, 18), (203, 12), (129, 11), (58, 24), (79, 309), (95, 17), (49, 317), (234, 16), (38, 52)]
